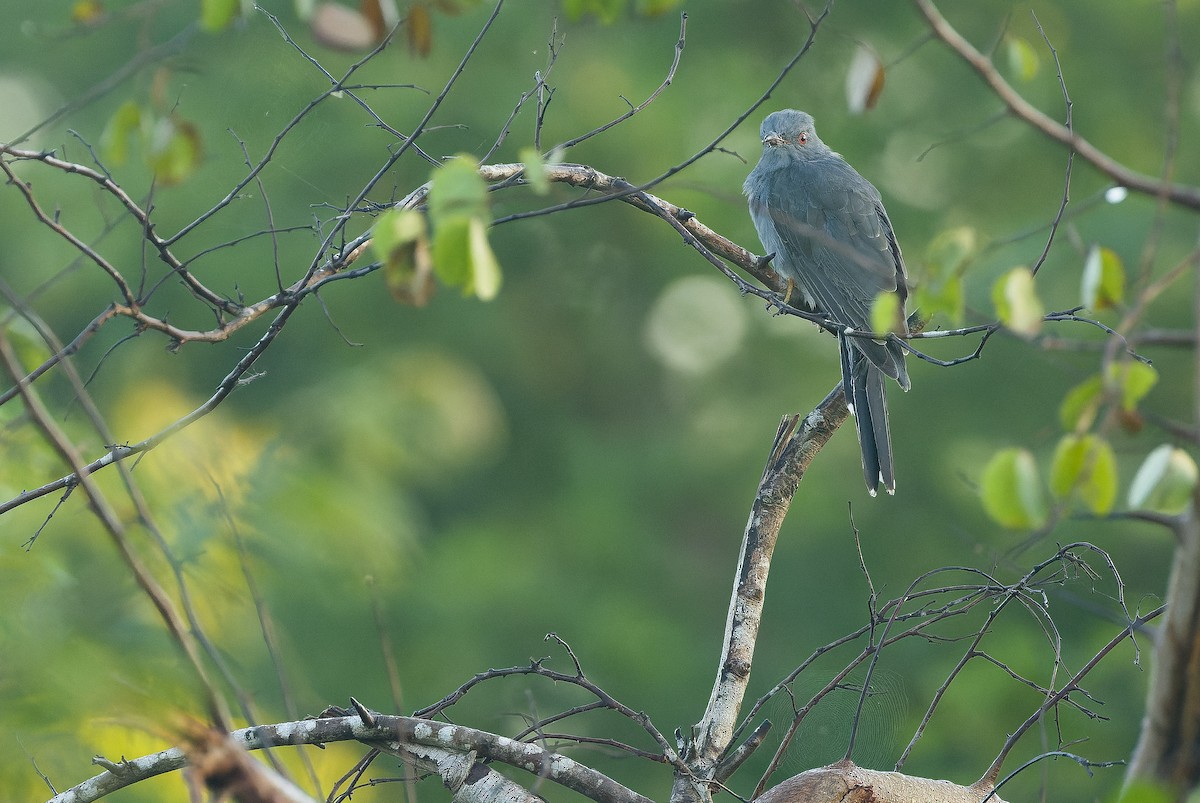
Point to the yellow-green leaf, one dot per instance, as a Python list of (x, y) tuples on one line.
[(87, 12), (886, 314), (418, 27), (1165, 481), (1017, 302), (485, 270), (121, 127), (1099, 491), (174, 150), (1085, 464), (1147, 792), (1022, 58), (1011, 491), (535, 170), (1103, 279), (607, 11), (400, 240), (939, 288), (394, 228), (1133, 379), (654, 8), (216, 15), (1080, 405)]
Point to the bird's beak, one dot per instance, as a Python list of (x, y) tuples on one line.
[(772, 140)]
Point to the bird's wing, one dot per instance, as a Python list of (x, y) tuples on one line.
[(831, 235), (834, 236)]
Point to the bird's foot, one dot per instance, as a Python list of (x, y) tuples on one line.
[(787, 297), (781, 304)]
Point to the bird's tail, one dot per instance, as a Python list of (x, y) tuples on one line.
[(863, 382)]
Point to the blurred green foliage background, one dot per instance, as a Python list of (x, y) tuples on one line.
[(579, 455)]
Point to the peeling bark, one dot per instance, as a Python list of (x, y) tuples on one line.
[(845, 782), (1168, 750)]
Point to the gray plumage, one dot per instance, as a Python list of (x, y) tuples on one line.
[(831, 237)]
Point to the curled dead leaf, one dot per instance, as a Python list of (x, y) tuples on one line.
[(342, 28)]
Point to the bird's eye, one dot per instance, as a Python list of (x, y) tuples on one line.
[(803, 138)]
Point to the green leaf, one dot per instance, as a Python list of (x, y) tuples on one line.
[(485, 270), (1133, 380), (452, 251), (1143, 791), (607, 11), (886, 314), (216, 15), (304, 9), (1165, 481), (1103, 279), (1011, 491), (1023, 60), (948, 253), (463, 258), (121, 127), (1080, 405), (1099, 492), (1085, 464), (940, 287), (1017, 302), (535, 170), (458, 211), (457, 189), (945, 298)]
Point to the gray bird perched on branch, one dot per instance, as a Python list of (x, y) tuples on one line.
[(832, 241)]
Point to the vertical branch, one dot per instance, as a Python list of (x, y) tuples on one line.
[(1166, 749), (797, 442)]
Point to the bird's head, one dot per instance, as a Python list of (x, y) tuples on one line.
[(792, 131)]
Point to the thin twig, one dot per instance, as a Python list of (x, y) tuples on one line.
[(1132, 627), (1179, 194), (116, 531)]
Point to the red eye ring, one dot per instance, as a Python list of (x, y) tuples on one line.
[(803, 138)]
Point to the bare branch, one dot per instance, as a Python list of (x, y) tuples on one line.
[(1068, 688), (666, 82), (390, 733), (112, 525), (1179, 194)]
